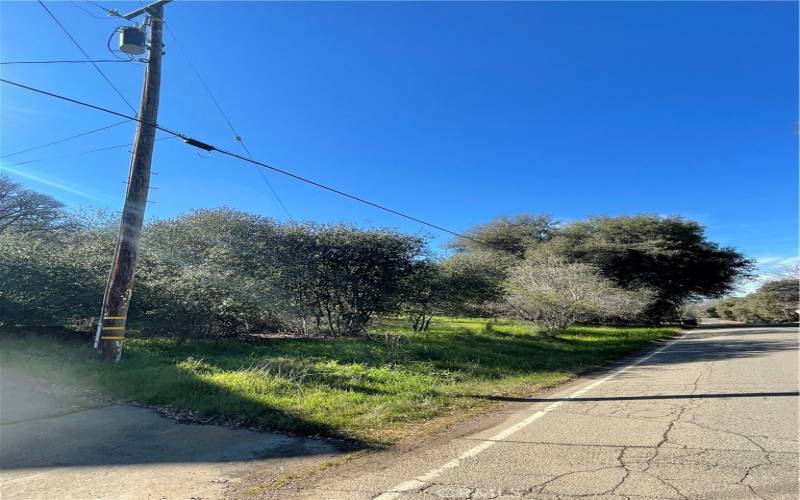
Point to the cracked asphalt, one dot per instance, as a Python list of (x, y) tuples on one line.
[(712, 415)]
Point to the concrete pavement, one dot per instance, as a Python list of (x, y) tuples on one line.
[(61, 443), (713, 414)]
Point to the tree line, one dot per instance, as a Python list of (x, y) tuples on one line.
[(775, 301), (221, 272)]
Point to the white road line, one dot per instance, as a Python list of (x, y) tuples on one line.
[(3, 483), (422, 480)]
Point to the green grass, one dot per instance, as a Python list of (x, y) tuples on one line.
[(374, 390)]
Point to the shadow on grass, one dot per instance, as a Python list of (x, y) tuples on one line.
[(357, 386), (476, 354), (62, 424)]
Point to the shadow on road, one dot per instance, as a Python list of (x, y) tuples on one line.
[(696, 347), (716, 346), (733, 326), (636, 398)]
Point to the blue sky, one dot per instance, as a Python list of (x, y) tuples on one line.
[(453, 112)]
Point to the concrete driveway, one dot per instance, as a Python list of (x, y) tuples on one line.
[(59, 444), (713, 414)]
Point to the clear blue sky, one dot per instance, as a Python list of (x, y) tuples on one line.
[(454, 112)]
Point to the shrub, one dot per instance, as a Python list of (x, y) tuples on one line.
[(53, 281), (335, 278), (555, 293), (461, 285), (212, 273)]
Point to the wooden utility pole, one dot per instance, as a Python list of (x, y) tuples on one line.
[(111, 328)]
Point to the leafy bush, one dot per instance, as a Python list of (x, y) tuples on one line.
[(212, 273), (221, 273), (460, 285), (207, 274), (554, 293), (56, 280), (335, 278)]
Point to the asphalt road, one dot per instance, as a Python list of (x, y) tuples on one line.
[(713, 414)]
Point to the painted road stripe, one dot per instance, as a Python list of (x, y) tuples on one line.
[(421, 481), (3, 483)]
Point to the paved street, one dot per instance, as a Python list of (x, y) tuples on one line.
[(711, 415)]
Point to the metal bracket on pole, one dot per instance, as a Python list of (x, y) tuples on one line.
[(143, 10)]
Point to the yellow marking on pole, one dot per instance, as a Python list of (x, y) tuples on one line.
[(113, 328), (114, 317), (112, 338)]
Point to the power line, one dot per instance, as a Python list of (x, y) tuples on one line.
[(224, 115), (112, 13), (67, 61), (78, 5), (209, 147), (108, 11), (93, 106), (55, 19), (342, 193), (81, 153), (65, 139)]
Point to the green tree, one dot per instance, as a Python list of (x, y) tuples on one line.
[(207, 273), (668, 255), (512, 235), (778, 300)]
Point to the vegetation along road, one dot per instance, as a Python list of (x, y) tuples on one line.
[(709, 414), (64, 415), (307, 348), (712, 414)]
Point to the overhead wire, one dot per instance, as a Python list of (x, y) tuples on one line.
[(74, 41), (78, 5), (112, 13), (80, 153), (217, 105), (67, 61), (209, 147), (65, 139), (224, 116), (108, 11)]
